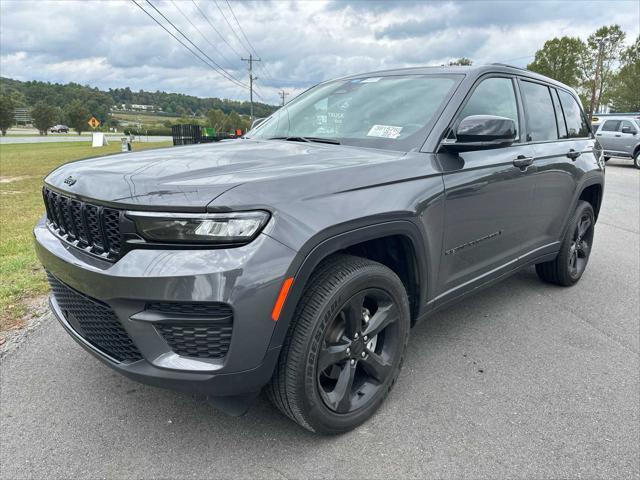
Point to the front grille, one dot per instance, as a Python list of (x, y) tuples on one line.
[(197, 340), (93, 228), (95, 322)]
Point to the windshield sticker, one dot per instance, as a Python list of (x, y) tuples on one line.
[(370, 80), (384, 131)]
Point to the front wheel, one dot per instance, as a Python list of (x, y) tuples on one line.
[(636, 158), (571, 262), (344, 351)]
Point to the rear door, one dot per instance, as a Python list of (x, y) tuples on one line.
[(607, 135), (487, 197), (561, 138)]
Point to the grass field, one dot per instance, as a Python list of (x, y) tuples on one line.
[(22, 168)]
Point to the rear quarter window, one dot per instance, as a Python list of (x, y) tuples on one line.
[(576, 123)]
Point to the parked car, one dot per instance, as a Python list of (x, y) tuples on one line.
[(299, 258), (620, 137), (59, 129)]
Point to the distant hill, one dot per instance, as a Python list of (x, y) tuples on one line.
[(99, 102)]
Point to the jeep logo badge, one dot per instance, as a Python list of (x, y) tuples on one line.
[(70, 180)]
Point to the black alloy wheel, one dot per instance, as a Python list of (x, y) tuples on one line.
[(580, 245), (359, 345), (571, 262)]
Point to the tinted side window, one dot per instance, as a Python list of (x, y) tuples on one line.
[(541, 118), (629, 125), (494, 96), (611, 126), (576, 123), (562, 126)]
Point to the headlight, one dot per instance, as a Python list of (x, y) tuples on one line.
[(237, 227)]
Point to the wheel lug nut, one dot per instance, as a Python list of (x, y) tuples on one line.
[(353, 362), (348, 351), (356, 335), (366, 338), (363, 354)]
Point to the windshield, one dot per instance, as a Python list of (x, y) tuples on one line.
[(392, 112)]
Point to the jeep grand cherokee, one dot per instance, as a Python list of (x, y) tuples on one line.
[(299, 257)]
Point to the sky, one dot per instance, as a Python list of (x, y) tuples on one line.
[(112, 44)]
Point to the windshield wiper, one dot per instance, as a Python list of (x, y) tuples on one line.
[(308, 139)]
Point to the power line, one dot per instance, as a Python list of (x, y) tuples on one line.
[(231, 27), (216, 30), (232, 79), (262, 66), (222, 70), (200, 32)]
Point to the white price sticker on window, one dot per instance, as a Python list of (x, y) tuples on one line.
[(384, 131)]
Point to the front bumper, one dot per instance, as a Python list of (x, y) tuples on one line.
[(247, 278)]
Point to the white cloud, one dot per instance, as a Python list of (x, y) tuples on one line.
[(114, 44)]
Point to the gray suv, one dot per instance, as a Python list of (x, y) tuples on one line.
[(299, 257), (620, 137)]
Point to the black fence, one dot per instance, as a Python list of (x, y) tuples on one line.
[(189, 134)]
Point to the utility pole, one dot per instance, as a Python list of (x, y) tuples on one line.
[(250, 60), (282, 95)]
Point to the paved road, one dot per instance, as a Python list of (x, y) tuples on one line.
[(53, 138), (522, 380)]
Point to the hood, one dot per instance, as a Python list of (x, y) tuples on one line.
[(190, 177)]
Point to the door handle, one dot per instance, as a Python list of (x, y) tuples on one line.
[(521, 161), (618, 135), (598, 134), (572, 154)]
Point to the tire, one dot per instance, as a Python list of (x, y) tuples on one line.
[(636, 159), (571, 262), (321, 331)]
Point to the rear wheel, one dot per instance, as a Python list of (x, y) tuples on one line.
[(571, 262), (344, 351)]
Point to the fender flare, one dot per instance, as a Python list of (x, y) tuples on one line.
[(317, 249), (592, 180)]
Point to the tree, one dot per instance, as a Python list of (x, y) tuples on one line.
[(605, 46), (625, 91), (7, 110), (562, 59), (44, 117), (461, 61), (77, 116), (216, 119)]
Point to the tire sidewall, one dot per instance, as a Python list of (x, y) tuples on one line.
[(319, 416)]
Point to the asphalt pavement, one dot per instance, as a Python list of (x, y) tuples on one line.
[(524, 380)]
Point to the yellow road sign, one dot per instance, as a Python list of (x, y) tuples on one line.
[(94, 122)]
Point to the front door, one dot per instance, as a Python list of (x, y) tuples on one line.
[(487, 197)]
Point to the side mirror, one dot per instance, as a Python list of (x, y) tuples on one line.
[(483, 131), (628, 130)]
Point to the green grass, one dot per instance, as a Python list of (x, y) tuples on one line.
[(22, 168)]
